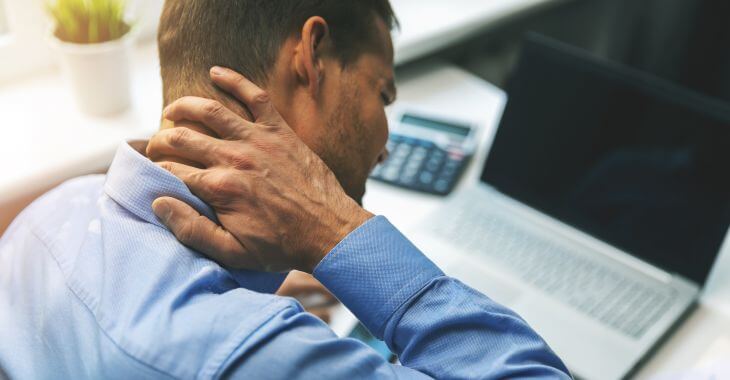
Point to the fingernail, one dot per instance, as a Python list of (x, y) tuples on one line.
[(162, 210), (217, 71)]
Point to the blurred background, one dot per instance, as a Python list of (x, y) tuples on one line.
[(65, 107), (685, 41)]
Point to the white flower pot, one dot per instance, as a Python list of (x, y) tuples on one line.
[(98, 74)]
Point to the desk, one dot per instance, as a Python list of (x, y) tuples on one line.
[(452, 90)]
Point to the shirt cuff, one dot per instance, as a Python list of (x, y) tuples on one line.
[(374, 271)]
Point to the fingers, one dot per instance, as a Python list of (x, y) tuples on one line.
[(210, 113), (183, 172), (256, 99), (201, 234), (184, 143), (208, 185)]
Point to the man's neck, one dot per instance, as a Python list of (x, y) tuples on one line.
[(227, 101)]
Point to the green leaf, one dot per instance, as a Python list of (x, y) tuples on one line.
[(88, 21)]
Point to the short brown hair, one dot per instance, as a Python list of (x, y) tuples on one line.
[(246, 35)]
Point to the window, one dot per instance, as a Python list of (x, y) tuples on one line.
[(3, 22), (24, 27)]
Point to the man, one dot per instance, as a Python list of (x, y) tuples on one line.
[(92, 284)]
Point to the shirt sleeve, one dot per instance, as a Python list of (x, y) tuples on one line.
[(438, 327)]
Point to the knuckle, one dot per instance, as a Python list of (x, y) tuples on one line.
[(178, 136), (212, 109), (243, 163), (197, 230), (166, 166), (238, 81), (260, 96), (244, 134), (239, 161), (273, 128), (232, 255), (186, 233), (224, 187)]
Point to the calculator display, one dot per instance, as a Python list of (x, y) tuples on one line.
[(440, 126)]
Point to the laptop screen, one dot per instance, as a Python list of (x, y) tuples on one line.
[(629, 159)]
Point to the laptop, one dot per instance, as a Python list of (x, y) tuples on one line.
[(603, 204)]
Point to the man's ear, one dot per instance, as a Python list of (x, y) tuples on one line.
[(312, 50)]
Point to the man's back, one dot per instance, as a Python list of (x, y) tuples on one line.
[(92, 286)]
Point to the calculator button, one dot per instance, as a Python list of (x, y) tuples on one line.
[(410, 172), (420, 152), (396, 160), (452, 163), (433, 166), (450, 168), (412, 167), (402, 151), (418, 157), (426, 178), (414, 164), (408, 179), (441, 186), (391, 174)]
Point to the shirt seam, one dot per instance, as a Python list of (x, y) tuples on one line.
[(219, 370), (88, 308), (423, 277)]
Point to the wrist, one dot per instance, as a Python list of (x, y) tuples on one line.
[(348, 219)]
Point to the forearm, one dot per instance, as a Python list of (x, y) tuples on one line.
[(450, 330), (435, 324)]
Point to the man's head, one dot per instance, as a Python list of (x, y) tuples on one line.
[(327, 65)]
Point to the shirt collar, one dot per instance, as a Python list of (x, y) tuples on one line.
[(134, 182)]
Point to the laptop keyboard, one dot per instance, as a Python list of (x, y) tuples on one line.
[(619, 301)]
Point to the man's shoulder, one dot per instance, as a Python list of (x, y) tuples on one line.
[(60, 207), (80, 191), (154, 299)]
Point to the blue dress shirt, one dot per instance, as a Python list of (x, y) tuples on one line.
[(93, 286)]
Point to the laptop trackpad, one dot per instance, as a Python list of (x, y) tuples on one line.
[(490, 284)]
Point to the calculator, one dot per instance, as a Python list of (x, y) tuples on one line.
[(427, 153)]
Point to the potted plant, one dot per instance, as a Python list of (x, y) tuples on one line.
[(94, 41)]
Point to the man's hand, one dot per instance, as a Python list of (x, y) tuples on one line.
[(280, 206)]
